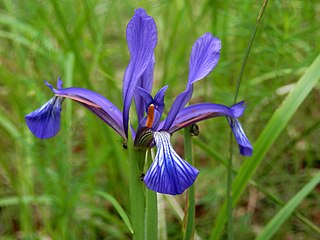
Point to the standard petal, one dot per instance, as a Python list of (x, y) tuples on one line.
[(201, 111), (142, 40), (45, 121), (159, 99), (145, 82), (145, 96), (245, 146), (59, 83), (204, 57), (169, 173), (96, 103)]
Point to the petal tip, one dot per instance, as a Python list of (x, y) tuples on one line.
[(45, 121), (238, 109), (246, 151), (244, 144)]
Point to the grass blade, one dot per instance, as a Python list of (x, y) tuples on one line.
[(118, 208), (26, 199), (8, 125), (288, 209), (273, 129)]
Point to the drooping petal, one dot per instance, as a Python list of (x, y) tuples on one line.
[(45, 121), (96, 103), (201, 111), (204, 57), (198, 112), (145, 82), (142, 40), (169, 173), (244, 144)]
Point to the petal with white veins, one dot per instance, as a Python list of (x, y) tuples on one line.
[(169, 173)]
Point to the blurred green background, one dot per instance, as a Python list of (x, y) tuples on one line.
[(49, 188)]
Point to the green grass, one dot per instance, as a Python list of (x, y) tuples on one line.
[(75, 185)]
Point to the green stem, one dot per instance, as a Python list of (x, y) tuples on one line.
[(229, 193), (136, 191), (229, 166), (151, 223), (188, 221), (245, 57)]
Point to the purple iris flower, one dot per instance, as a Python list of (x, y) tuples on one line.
[(169, 173)]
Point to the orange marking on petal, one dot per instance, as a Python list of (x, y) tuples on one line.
[(77, 99), (150, 118)]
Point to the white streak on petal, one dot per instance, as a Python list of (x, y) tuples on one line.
[(169, 173)]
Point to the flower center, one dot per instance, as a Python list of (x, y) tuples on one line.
[(150, 118)]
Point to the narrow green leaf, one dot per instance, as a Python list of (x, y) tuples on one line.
[(271, 132), (8, 125), (118, 208), (271, 196), (287, 210), (15, 200)]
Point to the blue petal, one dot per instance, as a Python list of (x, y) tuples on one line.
[(178, 104), (146, 97), (142, 40), (198, 112), (96, 103), (145, 82), (59, 83), (245, 146), (158, 103), (169, 173), (45, 121), (204, 57), (159, 99)]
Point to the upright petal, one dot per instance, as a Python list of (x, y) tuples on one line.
[(45, 121), (245, 146), (169, 173), (178, 104), (201, 111), (145, 82), (204, 57), (157, 101), (96, 103), (142, 40)]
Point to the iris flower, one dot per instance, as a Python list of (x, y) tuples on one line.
[(169, 173)]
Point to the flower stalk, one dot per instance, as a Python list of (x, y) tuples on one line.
[(189, 217), (136, 191), (151, 221)]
